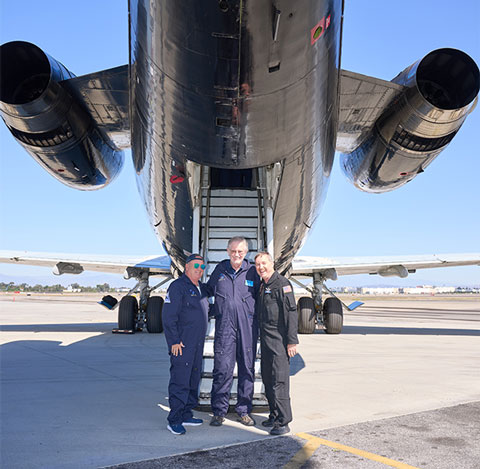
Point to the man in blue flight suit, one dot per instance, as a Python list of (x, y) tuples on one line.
[(185, 317), (234, 283)]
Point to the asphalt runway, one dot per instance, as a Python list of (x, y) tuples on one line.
[(400, 387)]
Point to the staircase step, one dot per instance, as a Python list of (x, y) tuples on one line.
[(208, 368), (206, 386), (234, 193), (234, 211), (259, 400), (231, 222), (223, 233), (231, 202)]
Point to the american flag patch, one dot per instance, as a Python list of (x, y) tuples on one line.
[(287, 289)]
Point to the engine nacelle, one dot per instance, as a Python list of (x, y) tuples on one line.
[(49, 123), (419, 124)]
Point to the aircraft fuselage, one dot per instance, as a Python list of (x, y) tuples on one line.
[(234, 85)]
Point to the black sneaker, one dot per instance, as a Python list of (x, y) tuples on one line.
[(279, 430), (246, 420), (217, 421), (269, 422)]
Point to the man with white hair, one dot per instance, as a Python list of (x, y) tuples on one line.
[(235, 284)]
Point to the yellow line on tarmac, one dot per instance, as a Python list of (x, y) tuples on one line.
[(314, 442)]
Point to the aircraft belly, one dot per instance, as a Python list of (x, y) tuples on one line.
[(233, 85)]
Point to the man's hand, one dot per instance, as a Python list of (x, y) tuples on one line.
[(177, 349), (291, 350)]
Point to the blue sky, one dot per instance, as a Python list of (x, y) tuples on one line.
[(435, 213)]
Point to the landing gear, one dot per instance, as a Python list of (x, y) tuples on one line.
[(135, 315), (312, 311)]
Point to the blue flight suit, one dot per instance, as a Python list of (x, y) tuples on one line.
[(236, 334), (185, 318)]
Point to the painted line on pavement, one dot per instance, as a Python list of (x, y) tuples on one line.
[(314, 442)]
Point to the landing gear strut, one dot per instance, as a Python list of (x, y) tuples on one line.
[(133, 315), (312, 310)]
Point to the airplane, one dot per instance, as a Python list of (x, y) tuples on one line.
[(233, 111)]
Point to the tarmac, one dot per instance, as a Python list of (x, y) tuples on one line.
[(400, 387)]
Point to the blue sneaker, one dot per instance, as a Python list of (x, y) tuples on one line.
[(177, 429), (192, 422)]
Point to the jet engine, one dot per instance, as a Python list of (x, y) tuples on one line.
[(53, 126), (439, 92)]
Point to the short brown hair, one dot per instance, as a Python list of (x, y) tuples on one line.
[(264, 253)]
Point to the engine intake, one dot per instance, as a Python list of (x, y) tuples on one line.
[(418, 124), (49, 122)]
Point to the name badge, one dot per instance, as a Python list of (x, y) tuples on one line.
[(249, 283)]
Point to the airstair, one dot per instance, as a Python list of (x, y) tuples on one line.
[(224, 213)]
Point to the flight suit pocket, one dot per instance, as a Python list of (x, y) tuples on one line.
[(290, 302), (249, 305), (219, 304), (271, 309)]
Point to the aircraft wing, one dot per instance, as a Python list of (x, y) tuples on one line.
[(77, 263), (362, 100), (386, 266), (105, 94)]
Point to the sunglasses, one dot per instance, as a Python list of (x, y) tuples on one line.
[(202, 266)]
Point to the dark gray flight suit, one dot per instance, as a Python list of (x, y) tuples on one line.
[(277, 314)]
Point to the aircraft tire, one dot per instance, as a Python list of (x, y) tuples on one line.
[(333, 316), (154, 315), (306, 315), (127, 312)]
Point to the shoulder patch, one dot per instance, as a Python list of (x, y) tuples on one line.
[(287, 289), (167, 298)]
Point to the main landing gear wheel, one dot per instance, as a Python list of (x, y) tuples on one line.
[(306, 315), (127, 313), (332, 316), (154, 314)]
